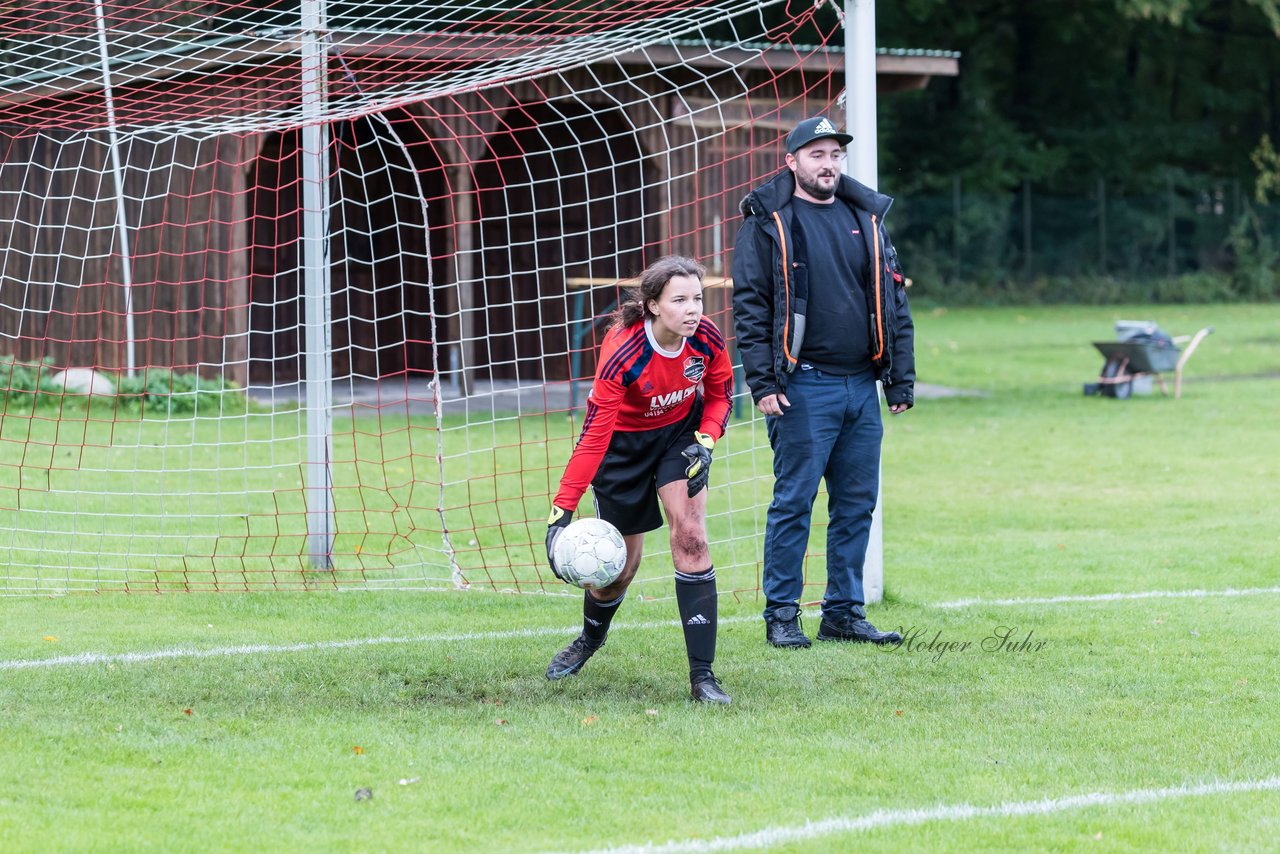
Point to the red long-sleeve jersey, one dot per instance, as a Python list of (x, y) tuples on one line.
[(639, 386)]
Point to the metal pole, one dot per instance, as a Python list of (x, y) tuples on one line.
[(860, 90), (1026, 228), (955, 226), (315, 271), (126, 256), (860, 123), (1102, 225)]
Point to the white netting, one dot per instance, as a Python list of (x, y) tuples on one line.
[(482, 182)]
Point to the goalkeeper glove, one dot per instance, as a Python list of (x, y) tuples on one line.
[(699, 457), (556, 523)]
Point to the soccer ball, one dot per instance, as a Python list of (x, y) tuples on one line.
[(590, 553)]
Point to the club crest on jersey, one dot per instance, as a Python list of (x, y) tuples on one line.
[(694, 368)]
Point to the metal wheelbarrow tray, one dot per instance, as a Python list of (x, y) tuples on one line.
[(1127, 361)]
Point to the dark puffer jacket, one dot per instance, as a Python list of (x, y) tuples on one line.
[(771, 290)]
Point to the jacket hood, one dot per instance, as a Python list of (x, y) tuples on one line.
[(777, 192)]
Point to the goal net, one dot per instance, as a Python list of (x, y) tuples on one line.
[(309, 296)]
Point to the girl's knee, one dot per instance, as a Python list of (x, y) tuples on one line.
[(689, 545)]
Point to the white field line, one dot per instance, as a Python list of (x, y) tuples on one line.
[(1112, 597), (771, 836), (271, 649), (86, 658)]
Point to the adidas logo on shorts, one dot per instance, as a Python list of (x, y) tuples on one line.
[(697, 620)]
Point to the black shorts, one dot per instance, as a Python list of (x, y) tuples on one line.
[(637, 463)]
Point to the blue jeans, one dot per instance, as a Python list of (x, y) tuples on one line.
[(832, 430)]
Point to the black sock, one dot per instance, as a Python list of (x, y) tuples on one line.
[(696, 597), (597, 615)]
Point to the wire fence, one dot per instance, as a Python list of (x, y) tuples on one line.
[(1186, 225)]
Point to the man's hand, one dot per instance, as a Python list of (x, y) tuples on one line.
[(699, 457), (899, 408), (556, 523), (773, 404)]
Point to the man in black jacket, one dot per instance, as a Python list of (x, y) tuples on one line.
[(820, 310)]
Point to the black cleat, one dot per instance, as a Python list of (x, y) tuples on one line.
[(707, 690), (783, 629), (571, 659), (852, 627)]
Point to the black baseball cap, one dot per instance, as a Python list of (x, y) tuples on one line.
[(818, 127)]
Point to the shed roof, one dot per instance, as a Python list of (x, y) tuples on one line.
[(497, 58)]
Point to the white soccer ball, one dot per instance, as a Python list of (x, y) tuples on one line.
[(590, 553)]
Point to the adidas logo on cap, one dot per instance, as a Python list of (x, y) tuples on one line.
[(818, 127)]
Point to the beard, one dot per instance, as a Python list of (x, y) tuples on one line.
[(813, 188)]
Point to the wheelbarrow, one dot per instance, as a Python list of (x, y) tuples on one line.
[(1142, 353)]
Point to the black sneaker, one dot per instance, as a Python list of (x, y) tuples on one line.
[(783, 629), (851, 627), (708, 690), (571, 659)]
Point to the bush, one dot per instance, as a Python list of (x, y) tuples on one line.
[(26, 384), (161, 391), (153, 391), (1256, 258)]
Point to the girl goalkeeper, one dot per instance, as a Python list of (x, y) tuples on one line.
[(661, 398)]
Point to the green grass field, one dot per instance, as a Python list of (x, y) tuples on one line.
[(1047, 715)]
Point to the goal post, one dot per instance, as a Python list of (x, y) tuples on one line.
[(863, 164), (317, 293), (298, 297)]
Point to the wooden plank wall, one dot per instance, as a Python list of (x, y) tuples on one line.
[(62, 275)]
